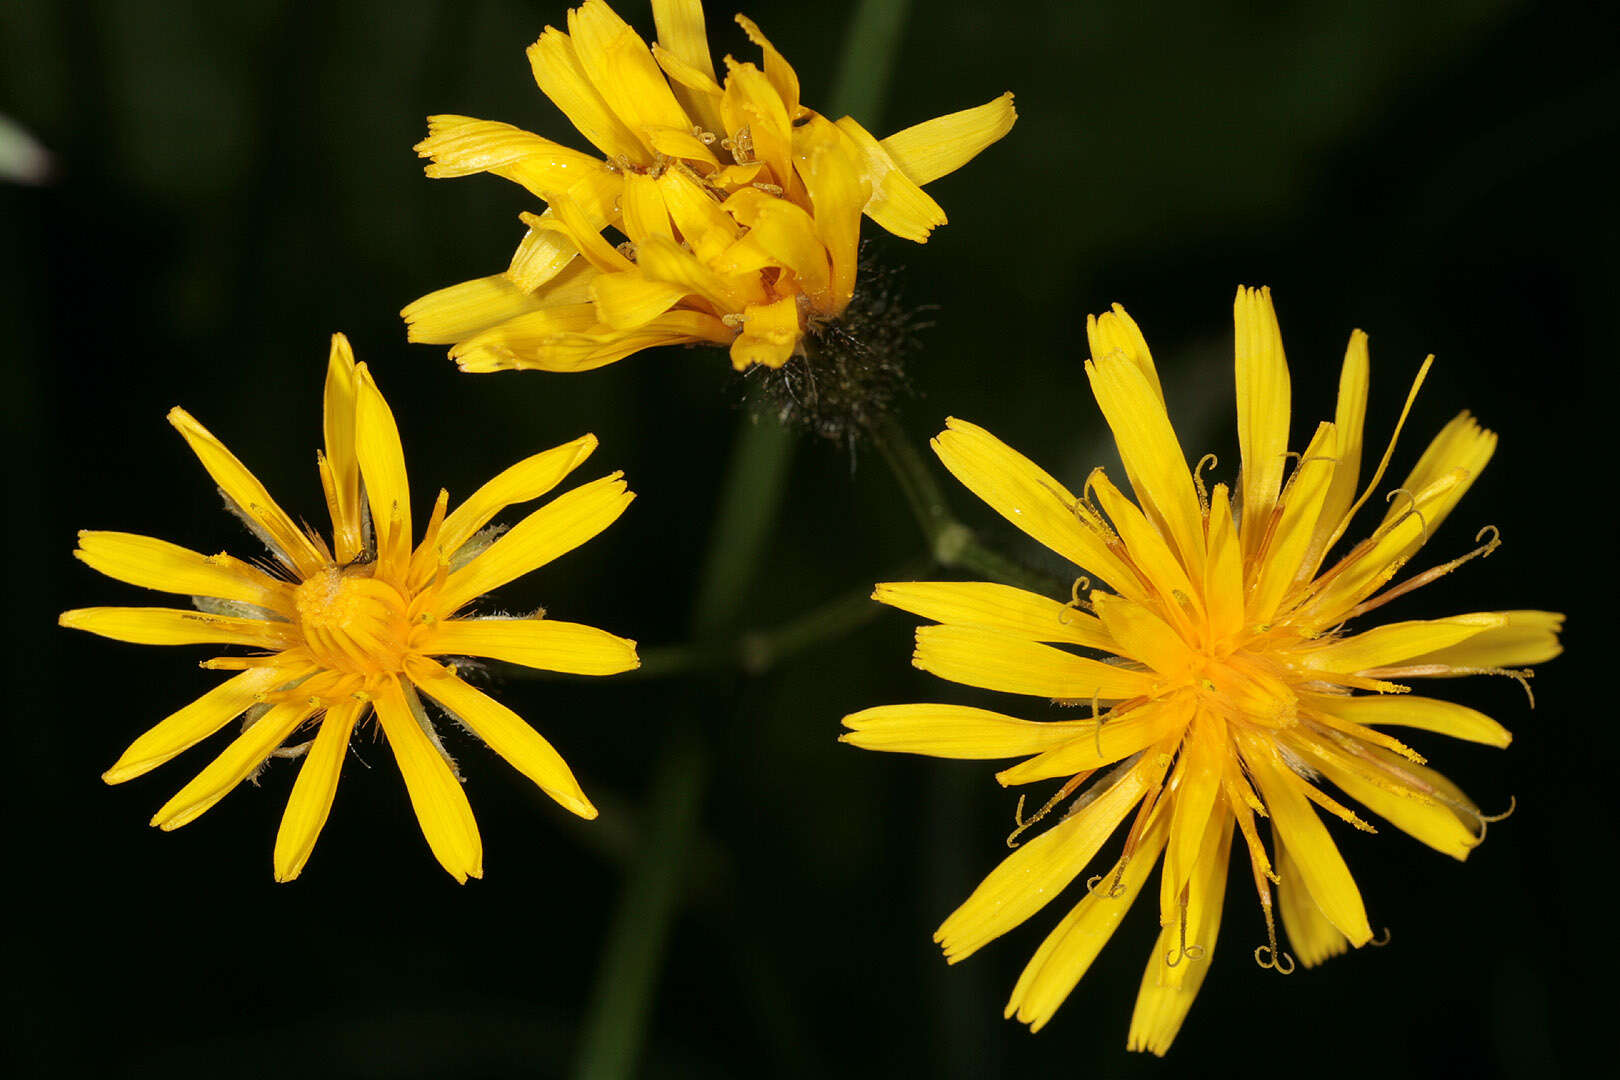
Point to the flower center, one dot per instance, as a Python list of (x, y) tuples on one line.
[(353, 622)]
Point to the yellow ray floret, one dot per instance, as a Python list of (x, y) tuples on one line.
[(739, 206), (1223, 678), (361, 629)]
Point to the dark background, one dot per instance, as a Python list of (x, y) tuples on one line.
[(234, 182)]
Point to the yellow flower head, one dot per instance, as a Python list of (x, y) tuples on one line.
[(352, 630), (740, 207), (1228, 686)]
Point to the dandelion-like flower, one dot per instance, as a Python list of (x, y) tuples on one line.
[(356, 628), (740, 206), (1227, 687)]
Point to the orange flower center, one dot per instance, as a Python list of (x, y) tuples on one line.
[(353, 622)]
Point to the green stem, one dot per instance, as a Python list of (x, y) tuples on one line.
[(616, 1018), (951, 543)]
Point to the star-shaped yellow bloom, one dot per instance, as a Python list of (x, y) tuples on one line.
[(740, 207), (355, 629), (1223, 682)]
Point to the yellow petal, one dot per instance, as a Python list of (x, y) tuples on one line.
[(1526, 637), (681, 144), (838, 193), (1461, 444), (642, 206), (781, 74), (995, 607), (751, 102), (546, 251), (547, 644), (630, 299), (158, 564), (954, 731), (1114, 331), (340, 468), (1263, 406), (1024, 494), (683, 46), (1194, 787), (234, 764), (1290, 541), (528, 479), (311, 800), (1030, 877), (187, 727), (1421, 817), (1320, 865), (1149, 448), (1223, 575), (622, 69), (1425, 714), (248, 497), (462, 145), (553, 530), (1390, 644), (929, 150), (770, 333), (701, 221), (591, 347), (178, 626), (507, 735), (896, 203), (456, 311), (1314, 938), (561, 78), (1119, 737), (1151, 555), (782, 234), (1141, 635), (1347, 425), (1068, 951), (1013, 665), (436, 796), (382, 466), (582, 231), (1167, 990), (667, 261)]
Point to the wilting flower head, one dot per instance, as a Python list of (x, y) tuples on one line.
[(740, 206), (1228, 686), (355, 629)]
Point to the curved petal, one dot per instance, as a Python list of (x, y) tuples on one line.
[(178, 626), (185, 728), (954, 731), (158, 564), (996, 607), (546, 644), (507, 734), (1029, 878), (234, 764), (553, 530), (1023, 493), (441, 806), (311, 800), (1013, 665), (1068, 951), (927, 151), (249, 497), (527, 480)]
